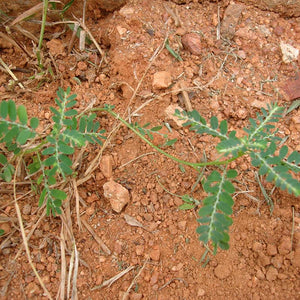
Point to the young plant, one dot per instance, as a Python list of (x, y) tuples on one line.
[(51, 160), (260, 142)]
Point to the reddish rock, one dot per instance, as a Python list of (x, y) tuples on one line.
[(155, 253), (291, 88), (231, 18), (271, 250), (110, 5), (116, 194), (161, 80), (271, 274), (285, 246), (222, 271), (174, 121), (55, 47), (192, 42), (106, 166)]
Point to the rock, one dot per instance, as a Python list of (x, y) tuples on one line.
[(116, 194), (271, 274), (106, 166), (289, 53), (230, 20), (182, 225), (283, 7), (139, 250), (26, 209), (111, 5), (271, 250), (201, 292), (222, 271), (192, 42), (136, 296), (257, 247), (155, 253), (161, 80), (56, 47), (154, 278), (285, 246), (174, 121), (263, 259), (291, 88)]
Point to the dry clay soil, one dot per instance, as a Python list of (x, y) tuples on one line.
[(231, 79)]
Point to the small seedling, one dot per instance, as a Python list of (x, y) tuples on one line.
[(50, 156), (266, 150)]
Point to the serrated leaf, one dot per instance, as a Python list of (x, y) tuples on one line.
[(22, 114)]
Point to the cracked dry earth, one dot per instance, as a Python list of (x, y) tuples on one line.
[(150, 240)]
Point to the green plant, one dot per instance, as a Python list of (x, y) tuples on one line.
[(266, 151), (50, 156)]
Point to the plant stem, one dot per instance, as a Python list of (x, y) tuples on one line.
[(38, 53), (180, 161)]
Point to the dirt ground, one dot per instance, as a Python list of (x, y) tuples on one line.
[(231, 78)]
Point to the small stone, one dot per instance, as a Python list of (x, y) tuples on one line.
[(241, 54), (182, 225), (116, 194), (82, 66), (277, 261), (139, 250), (260, 275), (26, 209), (154, 278), (90, 211), (285, 245), (289, 53), (230, 20), (55, 47), (106, 166), (257, 247), (136, 296), (201, 292), (177, 267), (192, 42), (271, 250), (291, 88), (161, 80), (263, 259), (155, 253), (118, 247), (271, 274), (242, 113), (126, 11), (110, 5), (222, 271), (31, 289), (258, 104)]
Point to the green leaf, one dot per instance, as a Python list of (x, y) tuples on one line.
[(58, 194), (22, 114), (186, 206), (3, 109), (170, 142), (12, 111), (71, 112), (50, 161), (34, 123), (42, 196), (23, 136), (64, 148), (3, 159), (48, 151), (214, 122), (156, 128), (172, 52)]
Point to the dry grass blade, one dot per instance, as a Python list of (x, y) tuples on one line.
[(24, 235), (77, 203), (96, 237), (31, 11), (74, 289), (11, 73), (110, 281), (134, 280), (63, 270)]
